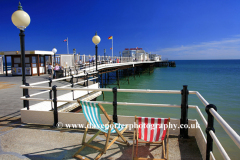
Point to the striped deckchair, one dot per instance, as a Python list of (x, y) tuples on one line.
[(92, 114), (152, 131)]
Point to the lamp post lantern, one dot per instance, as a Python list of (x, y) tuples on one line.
[(21, 20), (96, 39), (54, 50)]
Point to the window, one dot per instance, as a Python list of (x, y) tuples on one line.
[(41, 59), (27, 60), (17, 60), (34, 59)]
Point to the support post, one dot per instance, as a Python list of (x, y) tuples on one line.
[(87, 79), (96, 48), (184, 112), (84, 84), (22, 42), (97, 80), (102, 80), (103, 96), (149, 69), (115, 118), (50, 92), (134, 72), (105, 80), (5, 57), (55, 112), (22, 45), (127, 75), (208, 129), (72, 87), (25, 92), (139, 71)]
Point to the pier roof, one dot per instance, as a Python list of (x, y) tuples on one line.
[(10, 53)]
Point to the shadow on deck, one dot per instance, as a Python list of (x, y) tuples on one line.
[(30, 141)]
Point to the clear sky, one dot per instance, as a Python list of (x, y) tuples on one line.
[(175, 29)]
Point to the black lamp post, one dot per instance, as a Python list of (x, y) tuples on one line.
[(21, 20), (96, 39)]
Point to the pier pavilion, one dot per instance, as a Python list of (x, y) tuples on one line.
[(35, 62)]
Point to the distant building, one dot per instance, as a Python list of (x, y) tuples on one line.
[(136, 54), (140, 55), (155, 57)]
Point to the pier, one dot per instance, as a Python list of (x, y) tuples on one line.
[(85, 85)]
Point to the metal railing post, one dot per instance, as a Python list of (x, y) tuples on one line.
[(115, 118), (97, 80), (50, 92), (184, 113), (72, 87), (208, 129), (87, 79), (55, 112), (26, 94), (84, 84)]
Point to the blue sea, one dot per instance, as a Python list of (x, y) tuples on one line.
[(218, 81)]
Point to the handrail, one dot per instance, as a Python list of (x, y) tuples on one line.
[(232, 134), (202, 99), (104, 102), (219, 145), (202, 117), (36, 87), (59, 87), (107, 90), (34, 94), (54, 80)]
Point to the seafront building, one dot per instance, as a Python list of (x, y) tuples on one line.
[(138, 54), (35, 62)]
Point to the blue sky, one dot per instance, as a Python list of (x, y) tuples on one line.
[(175, 29)]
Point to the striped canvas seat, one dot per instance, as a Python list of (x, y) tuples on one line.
[(92, 113), (152, 129)]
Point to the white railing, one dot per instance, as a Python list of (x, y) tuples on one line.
[(233, 135)]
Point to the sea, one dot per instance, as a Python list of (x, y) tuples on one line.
[(218, 81)]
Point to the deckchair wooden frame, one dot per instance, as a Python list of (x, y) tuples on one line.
[(107, 144), (135, 138)]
